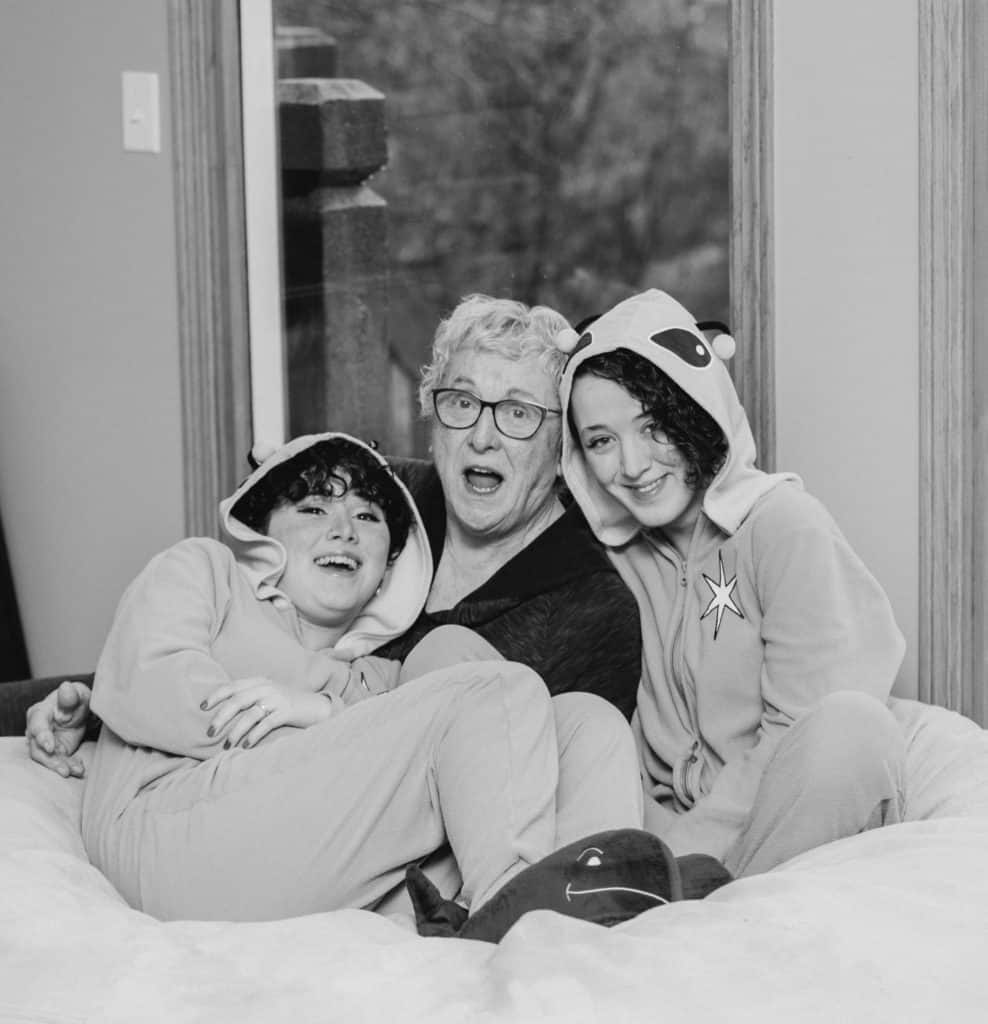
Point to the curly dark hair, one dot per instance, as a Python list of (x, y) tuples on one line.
[(685, 422), (325, 469)]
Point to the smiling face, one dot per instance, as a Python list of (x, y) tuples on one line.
[(337, 555), (632, 460), (495, 486)]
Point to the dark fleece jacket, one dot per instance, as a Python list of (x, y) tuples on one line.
[(558, 606)]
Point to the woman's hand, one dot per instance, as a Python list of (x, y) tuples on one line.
[(56, 727), (250, 708)]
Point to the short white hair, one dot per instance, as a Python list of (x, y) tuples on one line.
[(502, 326)]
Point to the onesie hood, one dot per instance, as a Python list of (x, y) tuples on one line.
[(403, 592), (655, 326)]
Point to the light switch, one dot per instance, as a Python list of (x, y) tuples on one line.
[(141, 116)]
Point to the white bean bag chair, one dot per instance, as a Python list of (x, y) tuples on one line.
[(887, 926)]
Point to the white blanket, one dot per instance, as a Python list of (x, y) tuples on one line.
[(887, 926)]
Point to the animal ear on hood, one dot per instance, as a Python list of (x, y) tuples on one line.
[(260, 452), (721, 340), (566, 339)]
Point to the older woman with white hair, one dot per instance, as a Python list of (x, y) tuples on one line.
[(514, 558)]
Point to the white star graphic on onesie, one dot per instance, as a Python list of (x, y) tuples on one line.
[(722, 600)]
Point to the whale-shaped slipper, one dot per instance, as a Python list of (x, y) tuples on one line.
[(605, 878)]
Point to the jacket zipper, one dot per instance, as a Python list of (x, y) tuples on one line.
[(683, 769)]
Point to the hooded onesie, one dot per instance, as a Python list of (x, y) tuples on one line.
[(768, 649), (455, 746)]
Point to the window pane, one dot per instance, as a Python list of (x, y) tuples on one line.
[(567, 153)]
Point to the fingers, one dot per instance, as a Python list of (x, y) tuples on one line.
[(70, 694), (231, 706), (45, 755), (227, 690), (71, 703), (264, 726), (40, 718), (55, 729), (40, 736), (231, 699), (57, 760), (65, 749), (251, 725)]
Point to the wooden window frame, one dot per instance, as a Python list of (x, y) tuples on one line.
[(953, 254), (752, 251), (204, 46)]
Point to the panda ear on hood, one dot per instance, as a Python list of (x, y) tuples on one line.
[(658, 328), (721, 340)]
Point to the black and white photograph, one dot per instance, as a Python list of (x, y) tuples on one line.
[(492, 511)]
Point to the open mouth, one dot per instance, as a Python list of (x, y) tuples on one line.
[(481, 480), (338, 563)]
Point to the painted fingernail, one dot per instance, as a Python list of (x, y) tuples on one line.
[(210, 731), (204, 705), (226, 744)]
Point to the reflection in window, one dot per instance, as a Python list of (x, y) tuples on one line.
[(560, 153)]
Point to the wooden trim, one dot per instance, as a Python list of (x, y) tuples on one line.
[(752, 222), (212, 279), (946, 346), (976, 71)]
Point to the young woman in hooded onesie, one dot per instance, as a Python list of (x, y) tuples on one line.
[(768, 648), (243, 771)]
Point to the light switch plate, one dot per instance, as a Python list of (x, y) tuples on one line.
[(141, 114)]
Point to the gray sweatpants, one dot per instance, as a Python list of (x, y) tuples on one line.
[(837, 771), (475, 754)]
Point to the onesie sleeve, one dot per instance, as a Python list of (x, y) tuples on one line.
[(827, 625), (157, 666)]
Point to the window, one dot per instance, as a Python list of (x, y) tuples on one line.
[(569, 154)]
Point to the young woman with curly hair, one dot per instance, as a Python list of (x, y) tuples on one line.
[(768, 648)]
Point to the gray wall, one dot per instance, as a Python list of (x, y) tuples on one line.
[(90, 421), (847, 272)]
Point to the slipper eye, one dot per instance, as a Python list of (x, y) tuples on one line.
[(591, 857)]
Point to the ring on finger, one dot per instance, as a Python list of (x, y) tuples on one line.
[(264, 709)]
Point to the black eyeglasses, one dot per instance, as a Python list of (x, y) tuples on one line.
[(460, 409)]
